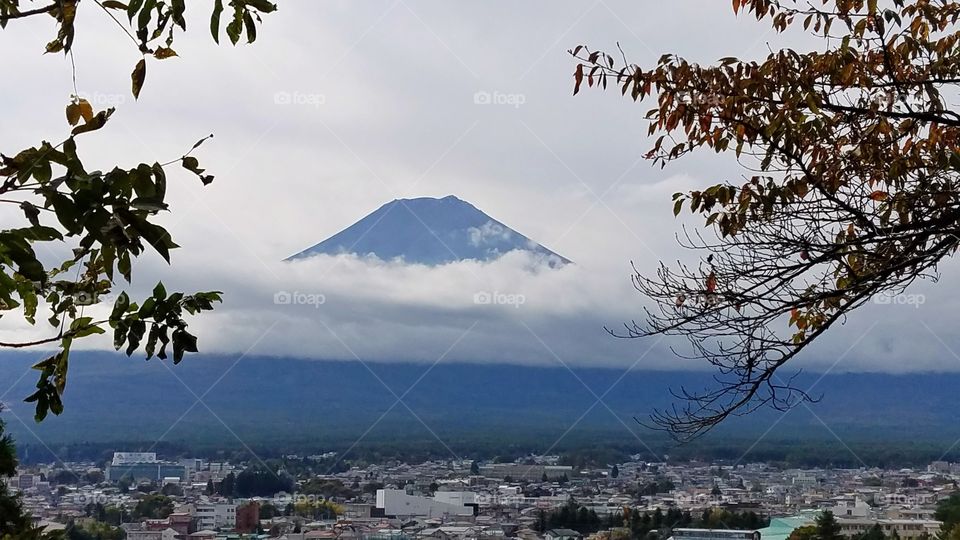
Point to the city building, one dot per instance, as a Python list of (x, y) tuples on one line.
[(905, 528), (714, 534), (531, 473), (213, 516), (397, 503), (248, 517), (137, 466)]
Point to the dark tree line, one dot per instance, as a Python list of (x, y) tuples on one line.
[(255, 482), (645, 525)]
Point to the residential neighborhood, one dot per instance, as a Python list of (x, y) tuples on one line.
[(140, 496)]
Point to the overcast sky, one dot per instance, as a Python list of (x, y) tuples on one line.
[(342, 106)]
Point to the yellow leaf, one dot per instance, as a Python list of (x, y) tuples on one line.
[(73, 114), (86, 110)]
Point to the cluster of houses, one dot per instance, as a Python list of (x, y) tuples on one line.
[(460, 500)]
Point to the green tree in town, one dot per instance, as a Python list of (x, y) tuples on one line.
[(227, 486), (14, 521), (615, 472), (948, 512), (268, 511), (874, 533), (153, 506), (807, 532), (827, 526), (94, 531)]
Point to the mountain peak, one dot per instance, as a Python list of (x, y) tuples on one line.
[(430, 231)]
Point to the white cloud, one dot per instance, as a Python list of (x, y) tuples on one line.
[(487, 233), (377, 103)]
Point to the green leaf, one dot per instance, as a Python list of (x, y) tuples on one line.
[(250, 26), (132, 8), (151, 345), (183, 342), (236, 25), (144, 19), (215, 20), (123, 264), (137, 329), (31, 212), (120, 306), (262, 6)]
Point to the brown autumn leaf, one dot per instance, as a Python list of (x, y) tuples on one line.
[(879, 195), (578, 77), (95, 123), (711, 282), (138, 76), (164, 52)]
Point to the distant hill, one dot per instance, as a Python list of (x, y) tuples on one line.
[(429, 231), (261, 400)]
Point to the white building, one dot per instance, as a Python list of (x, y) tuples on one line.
[(131, 458), (850, 507), (396, 502), (215, 516), (905, 528), (166, 534)]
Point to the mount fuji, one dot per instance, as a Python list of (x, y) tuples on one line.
[(431, 232)]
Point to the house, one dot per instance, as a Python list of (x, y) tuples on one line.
[(152, 534), (562, 534)]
